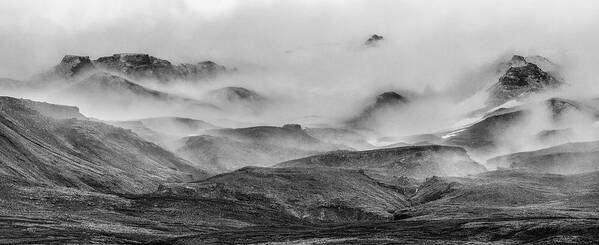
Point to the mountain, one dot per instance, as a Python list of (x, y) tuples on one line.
[(383, 102), (71, 66), (520, 79), (410, 161), (373, 40), (54, 145), (228, 149), (570, 158), (132, 66), (482, 134)]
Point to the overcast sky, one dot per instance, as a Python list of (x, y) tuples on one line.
[(421, 35)]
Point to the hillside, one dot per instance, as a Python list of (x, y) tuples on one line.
[(56, 146), (410, 161), (229, 149)]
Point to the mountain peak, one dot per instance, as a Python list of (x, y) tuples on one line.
[(373, 40), (521, 78), (517, 61)]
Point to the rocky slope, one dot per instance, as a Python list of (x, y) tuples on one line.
[(144, 66), (482, 135), (410, 161), (56, 146), (520, 79)]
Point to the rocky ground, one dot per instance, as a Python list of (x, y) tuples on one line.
[(498, 207)]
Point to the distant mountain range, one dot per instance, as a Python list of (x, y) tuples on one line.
[(133, 66)]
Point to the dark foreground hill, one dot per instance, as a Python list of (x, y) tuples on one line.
[(313, 205), (57, 146)]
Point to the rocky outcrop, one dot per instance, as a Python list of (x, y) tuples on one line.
[(373, 40), (144, 66), (71, 66), (520, 79), (132, 66)]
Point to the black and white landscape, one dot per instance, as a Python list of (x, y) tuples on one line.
[(299, 122)]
